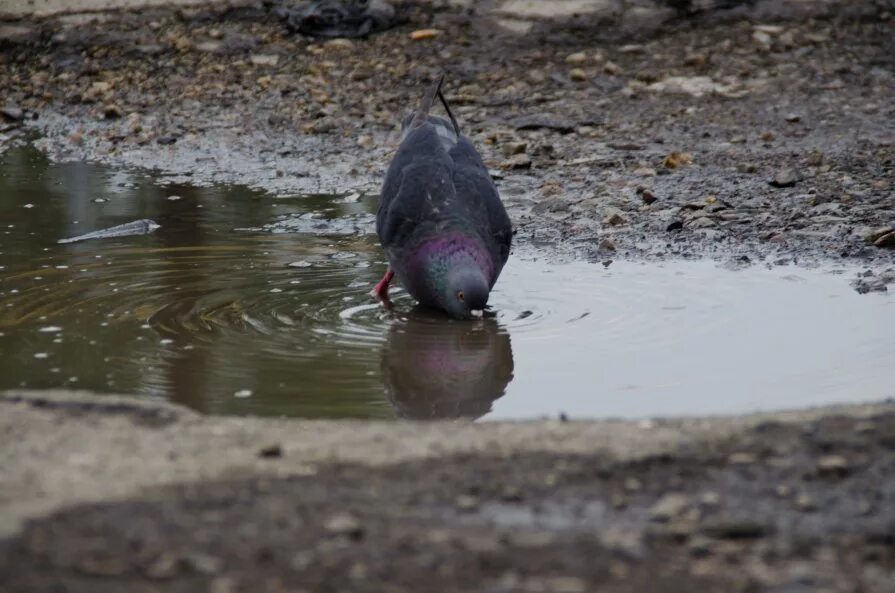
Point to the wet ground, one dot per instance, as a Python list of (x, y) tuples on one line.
[(767, 129), (245, 303), (776, 506)]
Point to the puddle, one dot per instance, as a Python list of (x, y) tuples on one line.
[(242, 303)]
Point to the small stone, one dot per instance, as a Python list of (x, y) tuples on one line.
[(741, 459), (783, 491), (576, 59), (271, 451), (346, 525), (465, 502), (747, 167), (832, 465), (614, 217), (365, 141), (768, 136), (12, 114), (174, 198), (677, 159), (520, 161), (805, 503), (785, 178), (242, 393), (735, 528), (166, 140), (648, 197), (339, 43), (264, 59), (606, 244), (886, 241), (669, 507), (513, 148), (793, 118), (611, 68), (422, 34), (702, 222), (675, 225), (577, 74), (633, 484), (815, 158), (300, 264), (644, 172)]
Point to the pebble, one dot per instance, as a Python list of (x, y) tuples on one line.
[(741, 459), (519, 161), (735, 528), (264, 59), (832, 465), (513, 148), (805, 503), (677, 159), (669, 507), (614, 217), (576, 58), (271, 451), (346, 525), (577, 74), (648, 197), (365, 141), (607, 244), (644, 172), (785, 178)]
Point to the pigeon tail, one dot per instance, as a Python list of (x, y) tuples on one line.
[(422, 114)]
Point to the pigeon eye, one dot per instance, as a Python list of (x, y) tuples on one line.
[(460, 296)]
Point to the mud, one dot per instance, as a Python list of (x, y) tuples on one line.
[(799, 503), (765, 131)]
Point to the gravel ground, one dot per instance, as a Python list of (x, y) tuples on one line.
[(786, 503), (760, 133)]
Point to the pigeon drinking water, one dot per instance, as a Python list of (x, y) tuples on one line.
[(440, 220)]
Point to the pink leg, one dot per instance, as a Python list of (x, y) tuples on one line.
[(381, 289)]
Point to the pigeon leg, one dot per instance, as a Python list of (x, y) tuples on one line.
[(381, 289)]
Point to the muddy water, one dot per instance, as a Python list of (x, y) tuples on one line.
[(244, 303)]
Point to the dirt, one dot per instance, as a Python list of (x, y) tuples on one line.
[(783, 505), (759, 133)]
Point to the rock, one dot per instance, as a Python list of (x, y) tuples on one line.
[(793, 118), (209, 47), (768, 136), (887, 241), (166, 140), (677, 159), (519, 161), (606, 244), (869, 284), (785, 178), (271, 451), (648, 197), (614, 217), (346, 525), (421, 34), (702, 222), (513, 148), (675, 225), (873, 236), (735, 528), (339, 44), (832, 465), (14, 34), (805, 503), (12, 114), (611, 68), (644, 172), (741, 459), (264, 59), (112, 111), (695, 86), (465, 502), (365, 141), (577, 74), (576, 59), (668, 507)]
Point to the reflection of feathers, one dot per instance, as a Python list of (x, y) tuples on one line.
[(436, 369)]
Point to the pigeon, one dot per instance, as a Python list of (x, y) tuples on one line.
[(441, 222)]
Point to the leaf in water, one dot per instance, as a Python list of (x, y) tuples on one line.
[(138, 227)]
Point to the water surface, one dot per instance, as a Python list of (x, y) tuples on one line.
[(244, 303)]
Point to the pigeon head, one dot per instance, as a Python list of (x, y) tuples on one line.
[(465, 290)]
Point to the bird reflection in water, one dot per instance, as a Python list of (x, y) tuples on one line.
[(435, 368)]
